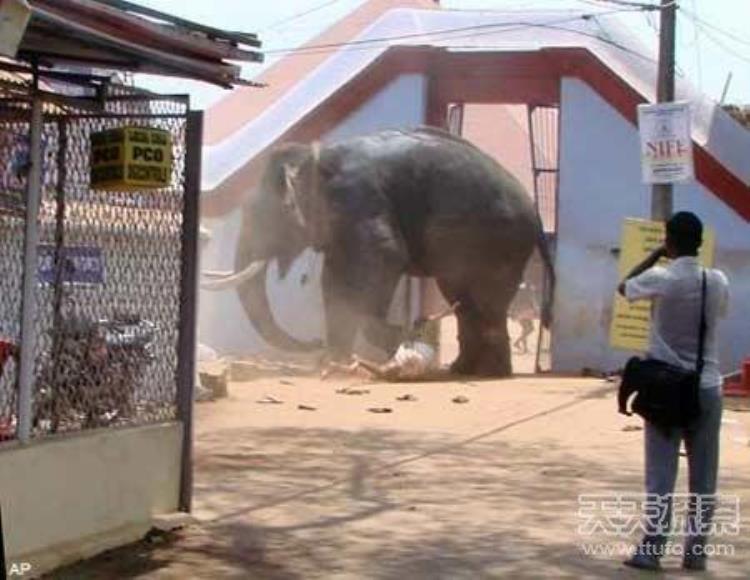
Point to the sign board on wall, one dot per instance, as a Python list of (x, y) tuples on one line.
[(666, 144), (631, 322), (81, 264), (131, 158), (14, 16)]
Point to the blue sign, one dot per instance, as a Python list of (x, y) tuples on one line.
[(80, 264)]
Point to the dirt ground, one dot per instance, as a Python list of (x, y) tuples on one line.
[(435, 489)]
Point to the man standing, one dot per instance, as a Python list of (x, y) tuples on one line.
[(676, 291)]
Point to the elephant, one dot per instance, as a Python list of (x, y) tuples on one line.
[(421, 202)]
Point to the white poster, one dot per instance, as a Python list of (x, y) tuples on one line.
[(14, 16), (666, 145)]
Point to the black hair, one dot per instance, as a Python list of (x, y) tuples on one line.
[(685, 233)]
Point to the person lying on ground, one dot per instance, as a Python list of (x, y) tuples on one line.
[(414, 358)]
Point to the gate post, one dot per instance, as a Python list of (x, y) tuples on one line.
[(30, 267), (186, 346)]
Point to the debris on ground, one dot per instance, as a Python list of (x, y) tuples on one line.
[(169, 522), (306, 408), (285, 382), (269, 400), (596, 373), (155, 536), (406, 397), (258, 367), (627, 428), (352, 391), (213, 380), (460, 399), (380, 410)]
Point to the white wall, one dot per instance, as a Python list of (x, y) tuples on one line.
[(71, 497), (599, 186), (298, 308)]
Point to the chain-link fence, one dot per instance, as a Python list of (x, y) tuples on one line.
[(14, 134), (109, 271)]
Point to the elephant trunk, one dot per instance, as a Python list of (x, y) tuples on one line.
[(255, 302)]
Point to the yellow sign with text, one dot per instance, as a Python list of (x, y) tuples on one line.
[(131, 158), (631, 322)]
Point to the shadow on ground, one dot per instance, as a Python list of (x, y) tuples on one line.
[(384, 504)]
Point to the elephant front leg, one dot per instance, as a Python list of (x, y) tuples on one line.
[(342, 322), (358, 287)]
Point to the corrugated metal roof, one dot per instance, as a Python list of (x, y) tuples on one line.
[(120, 35)]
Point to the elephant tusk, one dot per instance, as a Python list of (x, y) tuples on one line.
[(216, 281)]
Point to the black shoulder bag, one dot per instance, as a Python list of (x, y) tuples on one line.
[(666, 395)]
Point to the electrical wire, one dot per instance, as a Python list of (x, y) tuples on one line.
[(602, 39), (298, 16), (641, 5), (696, 41), (697, 19), (367, 43), (710, 35), (721, 44)]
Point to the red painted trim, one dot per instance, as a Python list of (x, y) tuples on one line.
[(507, 77), (708, 170)]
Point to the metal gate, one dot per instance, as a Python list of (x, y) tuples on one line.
[(545, 167), (95, 317)]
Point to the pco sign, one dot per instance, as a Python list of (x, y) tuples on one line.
[(131, 158)]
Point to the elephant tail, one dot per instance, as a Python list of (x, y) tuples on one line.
[(549, 283)]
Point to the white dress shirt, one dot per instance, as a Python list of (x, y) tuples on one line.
[(414, 359), (676, 292)]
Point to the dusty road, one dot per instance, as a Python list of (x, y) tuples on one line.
[(487, 488)]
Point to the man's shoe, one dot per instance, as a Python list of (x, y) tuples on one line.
[(643, 562), (694, 563)]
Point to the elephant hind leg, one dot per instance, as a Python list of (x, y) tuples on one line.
[(484, 343), (468, 319), (493, 294)]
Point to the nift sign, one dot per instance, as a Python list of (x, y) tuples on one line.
[(131, 158), (666, 145)]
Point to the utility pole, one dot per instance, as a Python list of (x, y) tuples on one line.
[(661, 193)]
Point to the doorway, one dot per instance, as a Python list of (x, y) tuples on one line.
[(524, 139)]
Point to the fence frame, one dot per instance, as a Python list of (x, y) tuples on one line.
[(186, 346), (30, 258)]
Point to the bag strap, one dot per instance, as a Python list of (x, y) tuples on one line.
[(702, 329)]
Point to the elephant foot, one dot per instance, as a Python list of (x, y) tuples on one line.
[(463, 365), (494, 362), (490, 361), (458, 369)]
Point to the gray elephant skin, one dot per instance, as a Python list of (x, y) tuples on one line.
[(422, 202)]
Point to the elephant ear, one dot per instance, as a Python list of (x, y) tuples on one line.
[(304, 196)]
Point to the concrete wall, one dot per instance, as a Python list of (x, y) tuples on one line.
[(600, 184), (71, 497), (298, 308), (502, 131)]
